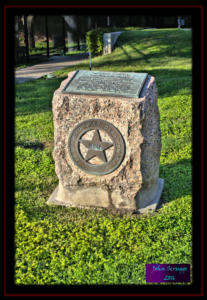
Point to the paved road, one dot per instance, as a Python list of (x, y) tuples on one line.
[(55, 63)]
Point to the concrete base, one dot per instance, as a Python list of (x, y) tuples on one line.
[(80, 197), (152, 206), (93, 197)]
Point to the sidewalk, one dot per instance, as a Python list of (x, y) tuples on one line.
[(55, 63)]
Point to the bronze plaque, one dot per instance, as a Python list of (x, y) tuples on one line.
[(96, 147), (119, 84)]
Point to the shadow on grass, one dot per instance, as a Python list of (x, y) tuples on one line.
[(30, 145), (35, 96), (177, 180), (170, 82), (126, 53), (170, 50), (143, 56), (177, 42)]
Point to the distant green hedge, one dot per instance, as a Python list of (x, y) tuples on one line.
[(94, 39)]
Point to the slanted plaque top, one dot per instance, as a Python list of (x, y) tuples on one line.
[(122, 84)]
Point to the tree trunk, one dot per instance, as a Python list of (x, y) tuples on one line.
[(78, 42), (31, 33), (16, 35), (64, 48), (16, 31), (47, 36), (26, 38)]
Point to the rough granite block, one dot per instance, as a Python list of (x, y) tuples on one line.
[(107, 146)]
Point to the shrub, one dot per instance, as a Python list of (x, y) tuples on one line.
[(94, 39)]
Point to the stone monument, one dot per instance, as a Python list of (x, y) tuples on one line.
[(109, 41), (107, 141)]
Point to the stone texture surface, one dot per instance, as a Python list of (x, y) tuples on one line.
[(135, 183), (151, 206)]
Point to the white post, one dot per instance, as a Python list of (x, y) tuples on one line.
[(108, 21), (179, 22)]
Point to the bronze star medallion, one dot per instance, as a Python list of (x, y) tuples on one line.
[(96, 147)]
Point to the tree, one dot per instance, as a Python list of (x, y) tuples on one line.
[(30, 25), (26, 38), (47, 36), (16, 29), (78, 26)]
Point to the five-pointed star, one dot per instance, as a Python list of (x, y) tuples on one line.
[(96, 147)]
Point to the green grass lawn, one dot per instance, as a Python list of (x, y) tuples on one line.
[(58, 245)]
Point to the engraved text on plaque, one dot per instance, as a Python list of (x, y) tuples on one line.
[(122, 84)]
